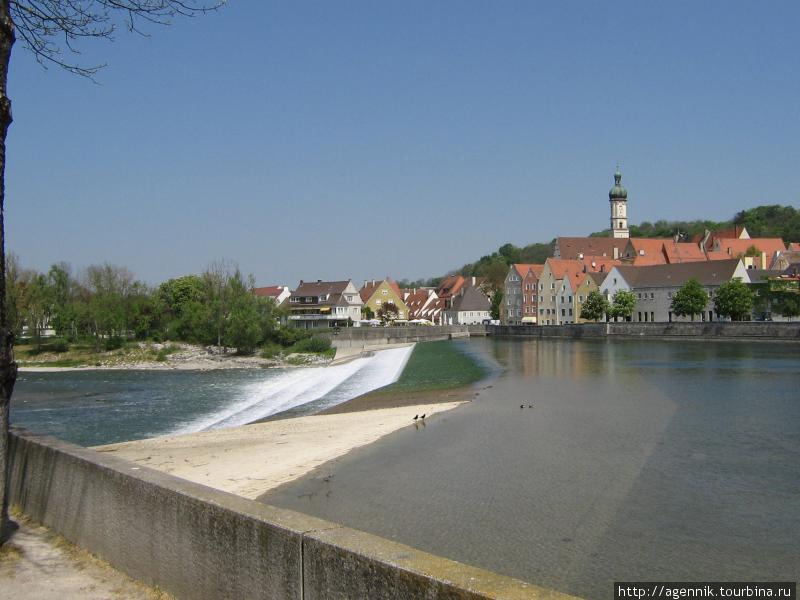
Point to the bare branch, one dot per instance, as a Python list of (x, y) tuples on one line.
[(53, 29)]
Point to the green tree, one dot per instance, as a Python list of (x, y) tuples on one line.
[(595, 307), (733, 299), (690, 300), (497, 303), (622, 305), (60, 283), (786, 304), (367, 312), (38, 306)]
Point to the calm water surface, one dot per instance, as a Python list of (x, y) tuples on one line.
[(639, 460)]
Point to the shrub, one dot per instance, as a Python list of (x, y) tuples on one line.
[(312, 344), (271, 350), (114, 343)]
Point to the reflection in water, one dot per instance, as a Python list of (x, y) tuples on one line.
[(639, 460)]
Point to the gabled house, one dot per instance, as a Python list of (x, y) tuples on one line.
[(530, 295), (469, 307), (514, 300), (655, 286), (324, 304), (420, 301), (278, 293), (377, 293)]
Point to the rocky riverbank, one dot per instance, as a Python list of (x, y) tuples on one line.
[(166, 356)]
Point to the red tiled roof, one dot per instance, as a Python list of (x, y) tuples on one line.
[(646, 251), (680, 252), (450, 285), (570, 247), (269, 291), (735, 248)]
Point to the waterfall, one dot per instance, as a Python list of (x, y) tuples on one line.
[(296, 387)]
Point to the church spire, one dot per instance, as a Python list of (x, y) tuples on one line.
[(618, 196)]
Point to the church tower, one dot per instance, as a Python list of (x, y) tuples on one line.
[(618, 196)]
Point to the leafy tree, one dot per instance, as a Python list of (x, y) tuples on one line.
[(43, 27), (37, 306), (60, 284), (622, 305), (388, 312), (690, 300), (497, 303), (595, 307), (786, 304), (733, 299), (217, 283), (367, 312)]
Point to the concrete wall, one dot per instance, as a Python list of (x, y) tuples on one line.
[(363, 337), (196, 542), (714, 330)]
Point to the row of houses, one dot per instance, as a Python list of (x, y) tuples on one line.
[(456, 301), (553, 293)]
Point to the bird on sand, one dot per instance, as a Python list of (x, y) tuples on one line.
[(522, 406), (416, 417), (423, 416), (530, 405)]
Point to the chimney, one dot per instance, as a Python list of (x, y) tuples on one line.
[(602, 268), (616, 253), (580, 256), (473, 281), (319, 280), (301, 282)]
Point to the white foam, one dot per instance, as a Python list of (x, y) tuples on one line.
[(296, 387)]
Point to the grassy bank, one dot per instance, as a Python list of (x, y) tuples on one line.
[(437, 366), (435, 372)]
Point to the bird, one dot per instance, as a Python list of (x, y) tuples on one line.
[(423, 416), (416, 417), (522, 406), (530, 405)]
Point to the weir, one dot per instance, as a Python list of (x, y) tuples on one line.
[(332, 384)]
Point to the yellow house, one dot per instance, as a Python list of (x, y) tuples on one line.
[(590, 283), (376, 293)]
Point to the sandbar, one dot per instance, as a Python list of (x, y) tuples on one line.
[(251, 460)]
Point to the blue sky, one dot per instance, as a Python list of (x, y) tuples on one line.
[(362, 139)]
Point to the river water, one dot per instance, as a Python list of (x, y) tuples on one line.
[(639, 460), (102, 407)]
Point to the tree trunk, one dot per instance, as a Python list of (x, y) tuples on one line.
[(8, 368)]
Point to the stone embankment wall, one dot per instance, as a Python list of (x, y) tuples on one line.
[(709, 330), (199, 543), (352, 339)]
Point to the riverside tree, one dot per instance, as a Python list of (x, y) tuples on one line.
[(690, 300), (622, 304), (595, 307), (733, 299), (52, 30)]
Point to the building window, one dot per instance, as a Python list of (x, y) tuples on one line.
[(580, 298), (570, 300), (563, 312), (570, 312), (385, 292), (652, 295)]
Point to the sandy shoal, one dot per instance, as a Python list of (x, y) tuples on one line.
[(251, 460)]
